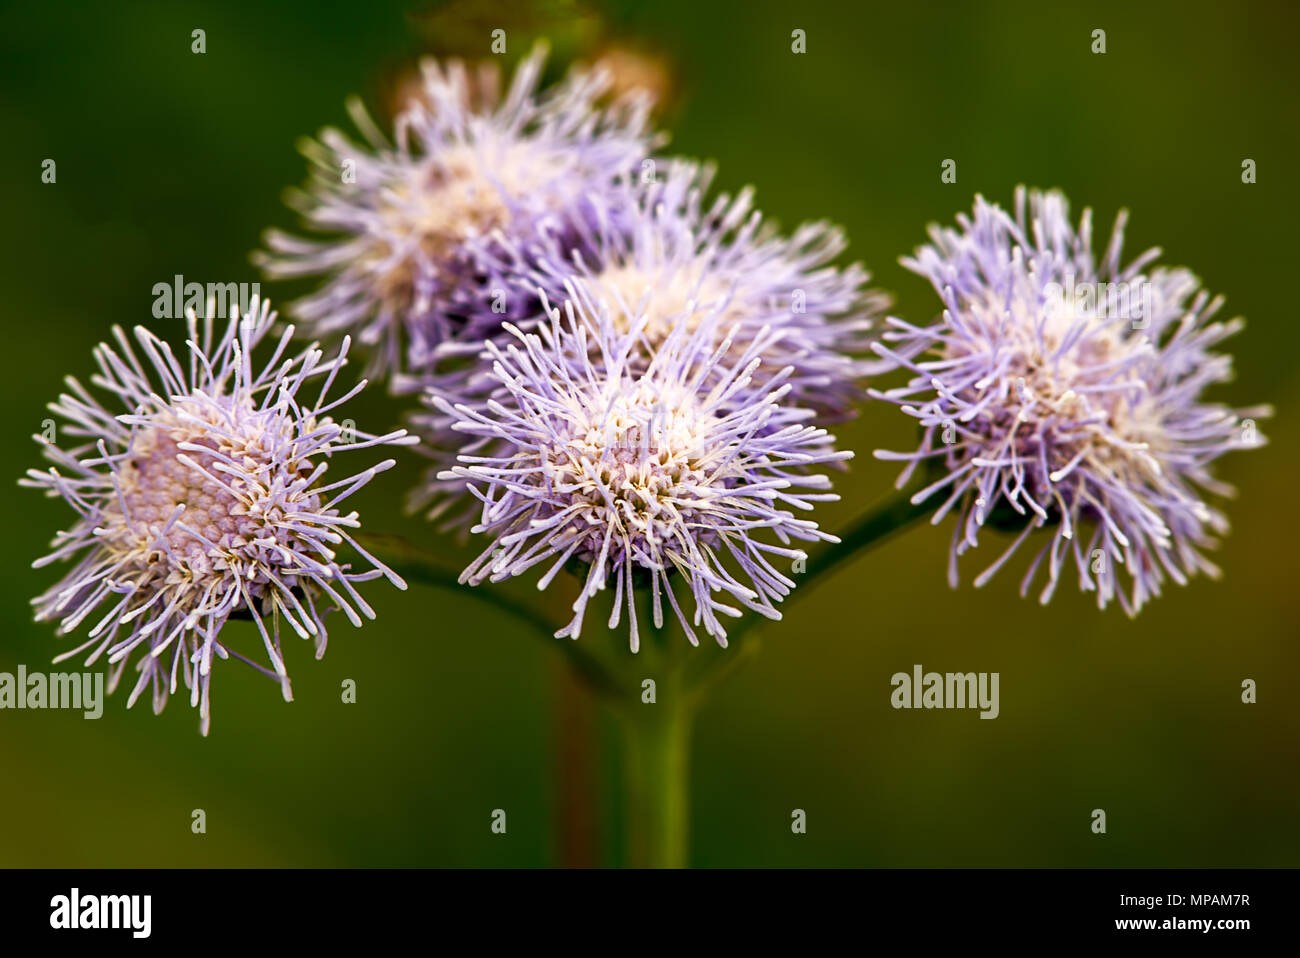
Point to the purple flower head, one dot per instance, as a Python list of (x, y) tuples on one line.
[(677, 476), (1058, 391), (401, 273), (657, 258), (662, 254), (205, 501)]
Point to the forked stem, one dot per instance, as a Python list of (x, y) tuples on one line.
[(656, 729)]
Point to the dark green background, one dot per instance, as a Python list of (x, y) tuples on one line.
[(169, 162)]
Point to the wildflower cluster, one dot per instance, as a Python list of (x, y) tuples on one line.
[(624, 381)]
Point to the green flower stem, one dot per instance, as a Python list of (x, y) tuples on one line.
[(875, 526), (607, 677), (656, 735), (656, 750), (413, 563)]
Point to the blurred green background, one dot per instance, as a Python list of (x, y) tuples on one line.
[(170, 162)]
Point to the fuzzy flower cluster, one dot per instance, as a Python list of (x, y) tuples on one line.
[(623, 379), (1063, 392), (662, 261), (206, 500), (662, 252), (461, 249), (403, 268)]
